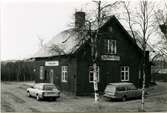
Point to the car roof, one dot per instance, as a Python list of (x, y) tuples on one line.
[(121, 83), (44, 84)]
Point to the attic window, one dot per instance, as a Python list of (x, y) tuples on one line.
[(110, 29), (110, 46)]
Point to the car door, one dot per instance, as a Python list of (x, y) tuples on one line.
[(138, 93), (120, 91), (132, 91), (34, 90), (31, 90)]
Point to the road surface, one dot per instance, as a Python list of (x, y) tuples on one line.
[(14, 99)]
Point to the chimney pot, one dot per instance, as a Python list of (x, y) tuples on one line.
[(79, 19)]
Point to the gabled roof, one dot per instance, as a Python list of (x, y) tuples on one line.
[(66, 42), (140, 42), (69, 41)]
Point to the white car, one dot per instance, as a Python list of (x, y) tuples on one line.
[(43, 90)]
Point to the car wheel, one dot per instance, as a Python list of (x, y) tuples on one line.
[(54, 99), (124, 98), (28, 94), (37, 97), (107, 99)]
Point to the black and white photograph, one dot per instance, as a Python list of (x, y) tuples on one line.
[(83, 55)]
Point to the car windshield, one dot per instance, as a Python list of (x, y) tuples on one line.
[(110, 88), (49, 87)]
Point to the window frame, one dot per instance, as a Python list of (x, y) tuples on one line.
[(91, 71), (125, 71), (64, 74), (120, 89), (131, 87), (108, 47), (41, 71)]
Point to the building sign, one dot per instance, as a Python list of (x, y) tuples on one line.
[(110, 57), (51, 63)]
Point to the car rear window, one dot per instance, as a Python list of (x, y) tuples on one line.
[(131, 87), (120, 89), (37, 86), (110, 88), (49, 87)]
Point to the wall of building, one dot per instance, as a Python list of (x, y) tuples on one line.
[(78, 83), (110, 71), (66, 87), (128, 52)]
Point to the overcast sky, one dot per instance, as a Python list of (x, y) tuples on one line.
[(23, 21)]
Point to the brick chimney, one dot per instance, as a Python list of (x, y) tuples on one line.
[(79, 19)]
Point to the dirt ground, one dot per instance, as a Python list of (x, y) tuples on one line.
[(14, 99)]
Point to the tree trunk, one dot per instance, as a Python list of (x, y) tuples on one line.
[(95, 82), (143, 91)]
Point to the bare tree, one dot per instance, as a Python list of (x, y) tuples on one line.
[(129, 18), (161, 19), (140, 19), (102, 13), (91, 31), (41, 41)]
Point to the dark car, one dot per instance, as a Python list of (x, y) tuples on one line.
[(122, 91)]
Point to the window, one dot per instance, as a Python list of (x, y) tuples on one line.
[(131, 87), (91, 74), (64, 73), (124, 73), (41, 72), (120, 88), (110, 46), (37, 86), (139, 74)]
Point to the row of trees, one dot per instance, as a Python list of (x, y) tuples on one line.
[(17, 71)]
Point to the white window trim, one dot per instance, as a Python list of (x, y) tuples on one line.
[(98, 78), (124, 71), (64, 69), (41, 73), (139, 74), (109, 47)]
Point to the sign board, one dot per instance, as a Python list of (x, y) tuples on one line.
[(51, 63), (110, 57)]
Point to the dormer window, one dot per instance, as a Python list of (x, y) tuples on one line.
[(110, 46)]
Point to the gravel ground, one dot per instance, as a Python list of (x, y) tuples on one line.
[(14, 99)]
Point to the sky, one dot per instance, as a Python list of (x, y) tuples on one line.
[(24, 21)]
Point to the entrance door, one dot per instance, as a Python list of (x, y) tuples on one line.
[(51, 73)]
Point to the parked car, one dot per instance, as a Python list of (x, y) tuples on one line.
[(122, 91), (43, 90)]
